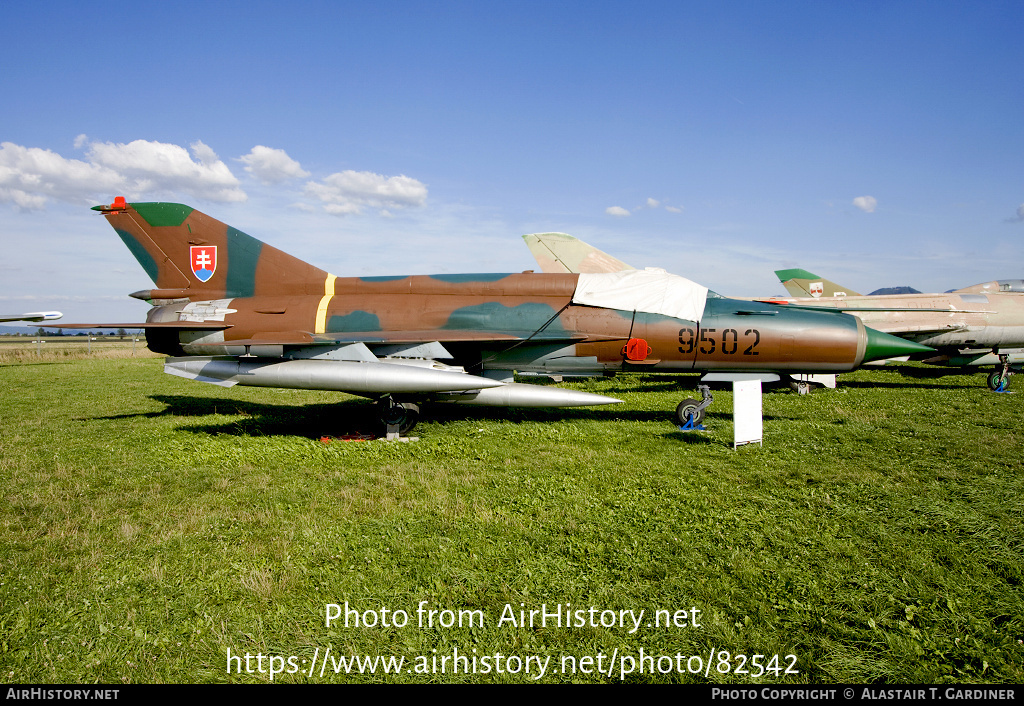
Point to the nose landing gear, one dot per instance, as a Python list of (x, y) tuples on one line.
[(1000, 379), (690, 412)]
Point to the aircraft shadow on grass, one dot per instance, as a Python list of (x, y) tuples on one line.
[(682, 383), (928, 381)]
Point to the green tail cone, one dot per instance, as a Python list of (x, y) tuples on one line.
[(882, 345)]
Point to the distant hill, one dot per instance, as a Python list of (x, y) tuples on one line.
[(9, 330), (894, 290)]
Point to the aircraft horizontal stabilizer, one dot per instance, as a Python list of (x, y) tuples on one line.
[(174, 325)]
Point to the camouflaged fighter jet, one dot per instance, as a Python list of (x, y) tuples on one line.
[(231, 310), (978, 325)]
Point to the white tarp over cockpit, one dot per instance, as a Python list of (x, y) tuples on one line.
[(653, 291)]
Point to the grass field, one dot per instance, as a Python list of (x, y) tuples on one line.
[(151, 527), (21, 349)]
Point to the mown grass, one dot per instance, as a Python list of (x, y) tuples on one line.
[(151, 524)]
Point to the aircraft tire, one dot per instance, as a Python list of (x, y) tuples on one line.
[(412, 416), (403, 414), (995, 378), (688, 409)]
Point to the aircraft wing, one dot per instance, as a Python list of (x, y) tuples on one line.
[(33, 316), (561, 253), (839, 305)]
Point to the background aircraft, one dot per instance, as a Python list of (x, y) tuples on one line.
[(231, 310), (979, 325), (558, 252), (34, 316)]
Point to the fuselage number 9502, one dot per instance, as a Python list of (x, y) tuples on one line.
[(709, 342)]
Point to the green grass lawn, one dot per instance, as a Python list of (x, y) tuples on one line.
[(151, 525)]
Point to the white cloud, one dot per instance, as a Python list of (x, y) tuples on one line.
[(142, 169), (345, 193), (161, 167), (1020, 215), (866, 203), (23, 200), (650, 203), (30, 175), (272, 166)]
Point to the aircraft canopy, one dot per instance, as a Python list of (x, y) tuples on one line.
[(652, 291)]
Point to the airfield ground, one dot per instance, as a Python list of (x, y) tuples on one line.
[(153, 528)]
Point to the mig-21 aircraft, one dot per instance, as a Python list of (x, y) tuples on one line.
[(231, 310), (970, 327)]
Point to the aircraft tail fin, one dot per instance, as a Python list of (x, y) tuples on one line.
[(561, 253), (801, 283), (189, 254)]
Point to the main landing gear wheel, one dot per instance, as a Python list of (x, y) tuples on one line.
[(404, 415), (689, 413)]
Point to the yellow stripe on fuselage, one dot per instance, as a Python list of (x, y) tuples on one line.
[(321, 311)]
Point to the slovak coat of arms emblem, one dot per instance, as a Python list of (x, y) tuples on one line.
[(204, 261)]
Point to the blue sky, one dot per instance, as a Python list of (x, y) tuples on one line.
[(877, 143)]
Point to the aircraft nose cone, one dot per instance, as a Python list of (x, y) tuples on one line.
[(883, 345)]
